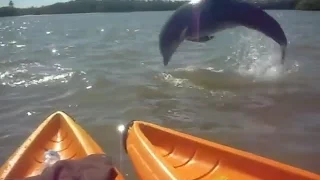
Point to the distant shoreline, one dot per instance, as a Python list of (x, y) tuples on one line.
[(118, 6)]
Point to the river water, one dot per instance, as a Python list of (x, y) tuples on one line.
[(105, 69)]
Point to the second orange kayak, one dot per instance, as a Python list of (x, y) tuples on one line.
[(58, 132), (161, 153)]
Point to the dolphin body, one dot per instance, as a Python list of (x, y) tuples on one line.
[(198, 20)]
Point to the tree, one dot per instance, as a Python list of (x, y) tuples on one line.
[(308, 5), (10, 3)]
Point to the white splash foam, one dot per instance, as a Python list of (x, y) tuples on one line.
[(172, 80), (258, 56), (177, 82), (52, 78), (20, 45), (212, 69), (263, 69)]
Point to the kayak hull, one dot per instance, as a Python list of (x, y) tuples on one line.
[(162, 153), (58, 132)]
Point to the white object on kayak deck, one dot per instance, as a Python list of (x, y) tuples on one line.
[(51, 157)]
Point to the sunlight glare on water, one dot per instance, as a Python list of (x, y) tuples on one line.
[(195, 1), (121, 128)]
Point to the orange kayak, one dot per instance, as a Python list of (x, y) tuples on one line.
[(164, 154), (58, 132)]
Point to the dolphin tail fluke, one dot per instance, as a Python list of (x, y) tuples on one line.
[(255, 18)]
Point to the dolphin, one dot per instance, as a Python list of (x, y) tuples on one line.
[(198, 20)]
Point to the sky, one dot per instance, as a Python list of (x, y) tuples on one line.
[(29, 3)]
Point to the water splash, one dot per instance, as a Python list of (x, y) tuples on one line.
[(178, 82), (258, 56), (213, 69)]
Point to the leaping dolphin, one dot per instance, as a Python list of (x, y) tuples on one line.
[(198, 20)]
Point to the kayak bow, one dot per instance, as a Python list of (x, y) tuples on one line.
[(165, 154), (58, 132)]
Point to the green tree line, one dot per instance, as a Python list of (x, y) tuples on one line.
[(89, 6), (93, 6), (311, 5)]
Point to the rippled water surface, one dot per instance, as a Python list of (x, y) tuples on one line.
[(106, 69)]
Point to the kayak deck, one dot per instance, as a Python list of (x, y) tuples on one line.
[(58, 132), (162, 153)]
